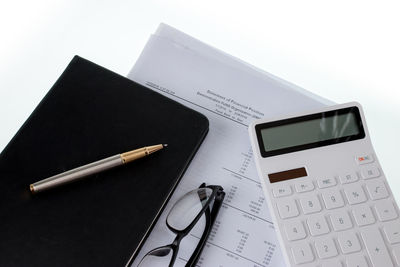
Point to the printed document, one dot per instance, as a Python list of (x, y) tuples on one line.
[(231, 94)]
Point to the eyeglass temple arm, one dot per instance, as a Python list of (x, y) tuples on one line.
[(210, 219), (175, 249)]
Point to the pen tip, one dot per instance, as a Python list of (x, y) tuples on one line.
[(165, 145)]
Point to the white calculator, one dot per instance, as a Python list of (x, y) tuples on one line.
[(329, 198)]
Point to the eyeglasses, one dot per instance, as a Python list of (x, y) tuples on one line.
[(183, 216)]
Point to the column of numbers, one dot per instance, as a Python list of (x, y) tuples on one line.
[(244, 236)]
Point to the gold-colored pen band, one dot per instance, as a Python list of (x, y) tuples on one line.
[(92, 168), (139, 153)]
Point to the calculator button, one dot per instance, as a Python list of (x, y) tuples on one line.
[(326, 182), (332, 263), (310, 204), (332, 199), (385, 210), (396, 254), (392, 232), (325, 248), (377, 189), (355, 194), (341, 220), (295, 230), (287, 208), (376, 248), (347, 178), (356, 261), (365, 159), (304, 186), (363, 215), (348, 242), (302, 253), (282, 190), (317, 225), (370, 172)]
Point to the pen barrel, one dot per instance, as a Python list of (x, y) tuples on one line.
[(77, 173)]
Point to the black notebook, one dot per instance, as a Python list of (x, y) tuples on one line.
[(89, 114)]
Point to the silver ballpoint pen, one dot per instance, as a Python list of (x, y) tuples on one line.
[(92, 168)]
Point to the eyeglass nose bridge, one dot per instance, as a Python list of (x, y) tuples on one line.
[(175, 247), (177, 240)]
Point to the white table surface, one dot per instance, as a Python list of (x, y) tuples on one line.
[(344, 50)]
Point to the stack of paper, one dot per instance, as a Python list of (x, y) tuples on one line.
[(231, 93)]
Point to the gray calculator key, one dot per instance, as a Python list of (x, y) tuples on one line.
[(304, 186), (349, 177), (348, 242), (294, 230), (302, 253), (377, 189), (325, 247), (396, 254), (363, 215), (341, 220), (392, 231), (332, 263), (332, 198), (370, 172), (355, 194), (357, 260), (326, 182), (287, 208), (282, 190), (310, 204), (317, 225), (376, 247), (385, 210)]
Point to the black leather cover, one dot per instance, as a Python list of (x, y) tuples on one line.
[(89, 114)]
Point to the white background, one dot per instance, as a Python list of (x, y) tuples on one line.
[(341, 50)]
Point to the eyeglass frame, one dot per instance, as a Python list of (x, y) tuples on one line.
[(217, 196)]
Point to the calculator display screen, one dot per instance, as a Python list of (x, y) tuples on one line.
[(315, 130)]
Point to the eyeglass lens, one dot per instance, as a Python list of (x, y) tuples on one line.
[(157, 257), (187, 208)]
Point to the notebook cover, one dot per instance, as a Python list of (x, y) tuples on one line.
[(89, 114)]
